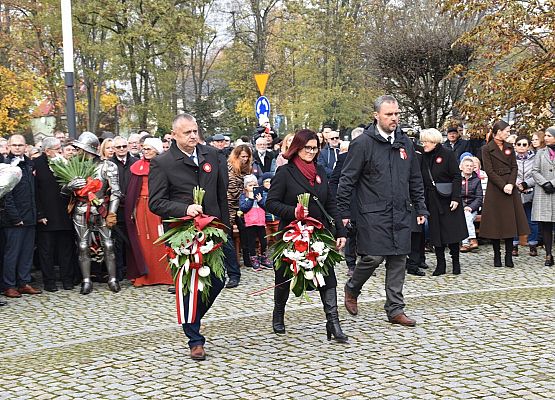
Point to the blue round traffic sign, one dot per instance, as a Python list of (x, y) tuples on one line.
[(262, 107)]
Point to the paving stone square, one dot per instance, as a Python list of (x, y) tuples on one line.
[(485, 334)]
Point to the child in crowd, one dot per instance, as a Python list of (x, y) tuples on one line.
[(471, 195), (272, 221), (251, 203), (481, 174)]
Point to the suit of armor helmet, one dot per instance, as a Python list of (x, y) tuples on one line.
[(89, 218)]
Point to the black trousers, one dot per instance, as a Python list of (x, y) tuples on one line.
[(254, 232), (56, 246), (120, 248), (417, 256)]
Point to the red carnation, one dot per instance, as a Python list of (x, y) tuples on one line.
[(301, 246)]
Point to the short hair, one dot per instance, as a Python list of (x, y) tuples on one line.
[(134, 136), (386, 98), (182, 117), (523, 137), (551, 130), (50, 142), (498, 126), (300, 140), (17, 135), (261, 139), (356, 132), (105, 144), (431, 135), (122, 138), (249, 178)]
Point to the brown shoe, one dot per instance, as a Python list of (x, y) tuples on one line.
[(197, 353), (402, 319), (473, 244), (12, 293), (350, 302), (28, 289), (465, 248)]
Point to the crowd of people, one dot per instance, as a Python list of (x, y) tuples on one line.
[(393, 198)]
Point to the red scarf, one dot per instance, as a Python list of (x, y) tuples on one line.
[(307, 169), (141, 167)]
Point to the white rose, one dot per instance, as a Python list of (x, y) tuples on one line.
[(207, 248), (309, 275), (200, 286), (204, 271)]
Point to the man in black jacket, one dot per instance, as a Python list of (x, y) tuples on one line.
[(382, 167), (124, 160), (20, 218), (173, 175), (455, 142), (55, 229)]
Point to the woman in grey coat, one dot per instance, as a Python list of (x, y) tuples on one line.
[(543, 205), (525, 184)]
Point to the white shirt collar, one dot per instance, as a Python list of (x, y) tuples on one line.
[(386, 136)]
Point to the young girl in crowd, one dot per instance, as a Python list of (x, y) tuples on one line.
[(272, 221), (251, 203)]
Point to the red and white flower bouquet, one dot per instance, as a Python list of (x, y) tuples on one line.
[(306, 250), (194, 251)]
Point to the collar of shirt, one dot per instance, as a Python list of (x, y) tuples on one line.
[(192, 155), (386, 136), (261, 155), (123, 160)]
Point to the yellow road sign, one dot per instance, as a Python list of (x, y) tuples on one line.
[(261, 81)]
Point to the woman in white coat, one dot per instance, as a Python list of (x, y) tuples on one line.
[(543, 205)]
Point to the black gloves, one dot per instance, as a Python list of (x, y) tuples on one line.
[(548, 188)]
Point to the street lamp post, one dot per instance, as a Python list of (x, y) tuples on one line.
[(69, 80)]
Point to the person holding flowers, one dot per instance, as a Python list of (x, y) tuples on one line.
[(301, 197), (173, 177)]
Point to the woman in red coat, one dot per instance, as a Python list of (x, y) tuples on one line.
[(146, 262)]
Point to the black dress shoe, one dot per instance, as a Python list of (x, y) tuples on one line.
[(424, 266), (232, 283), (3, 303), (50, 287), (416, 271), (171, 289), (67, 286)]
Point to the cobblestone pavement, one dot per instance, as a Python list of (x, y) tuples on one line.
[(486, 334)]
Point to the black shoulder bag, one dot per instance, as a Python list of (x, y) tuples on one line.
[(444, 189), (331, 222)]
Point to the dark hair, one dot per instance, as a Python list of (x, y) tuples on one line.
[(145, 137), (523, 137), (498, 126), (300, 140)]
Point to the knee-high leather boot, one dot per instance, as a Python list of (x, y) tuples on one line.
[(496, 253), (281, 294), (455, 252), (441, 264), (333, 328), (509, 253)]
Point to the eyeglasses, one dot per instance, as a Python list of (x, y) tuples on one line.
[(310, 149), (147, 149), (334, 138), (121, 146), (17, 145), (522, 144)]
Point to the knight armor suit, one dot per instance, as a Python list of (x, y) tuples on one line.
[(96, 218)]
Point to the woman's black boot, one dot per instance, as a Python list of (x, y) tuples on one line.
[(281, 294), (441, 264), (454, 250), (333, 328), (548, 261), (496, 253), (509, 253)]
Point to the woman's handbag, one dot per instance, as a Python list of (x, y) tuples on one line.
[(443, 189)]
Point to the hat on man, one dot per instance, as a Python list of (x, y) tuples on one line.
[(218, 137), (452, 129)]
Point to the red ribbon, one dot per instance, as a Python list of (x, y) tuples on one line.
[(89, 192)]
